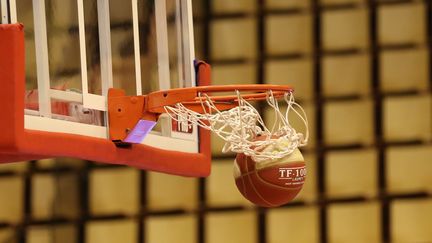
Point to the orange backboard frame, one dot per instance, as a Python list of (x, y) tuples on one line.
[(20, 144)]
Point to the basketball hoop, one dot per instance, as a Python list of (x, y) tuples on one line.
[(234, 119)]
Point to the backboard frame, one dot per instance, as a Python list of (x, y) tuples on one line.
[(41, 119), (18, 143)]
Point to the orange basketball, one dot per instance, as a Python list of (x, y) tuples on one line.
[(270, 183)]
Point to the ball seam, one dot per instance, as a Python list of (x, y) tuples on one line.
[(254, 188)]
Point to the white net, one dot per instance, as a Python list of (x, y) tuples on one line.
[(243, 129)]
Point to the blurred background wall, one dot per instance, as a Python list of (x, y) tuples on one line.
[(362, 71)]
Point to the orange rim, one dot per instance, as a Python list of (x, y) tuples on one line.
[(190, 97)]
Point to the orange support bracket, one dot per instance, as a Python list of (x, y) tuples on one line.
[(124, 112)]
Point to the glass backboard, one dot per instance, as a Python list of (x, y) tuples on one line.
[(77, 49), (60, 63)]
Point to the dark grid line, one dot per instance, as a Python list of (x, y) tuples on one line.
[(202, 182), (143, 202), (261, 76), (319, 118), (378, 118), (83, 202)]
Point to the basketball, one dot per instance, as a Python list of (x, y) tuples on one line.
[(270, 183)]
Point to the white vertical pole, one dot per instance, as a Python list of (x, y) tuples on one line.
[(42, 65), (180, 55), (105, 45), (137, 52), (82, 44), (4, 12), (162, 44), (188, 43), (12, 11), (92, 101)]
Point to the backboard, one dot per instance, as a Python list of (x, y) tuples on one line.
[(76, 50)]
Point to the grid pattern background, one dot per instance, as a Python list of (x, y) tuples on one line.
[(362, 70)]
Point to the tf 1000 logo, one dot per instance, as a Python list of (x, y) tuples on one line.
[(293, 176)]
